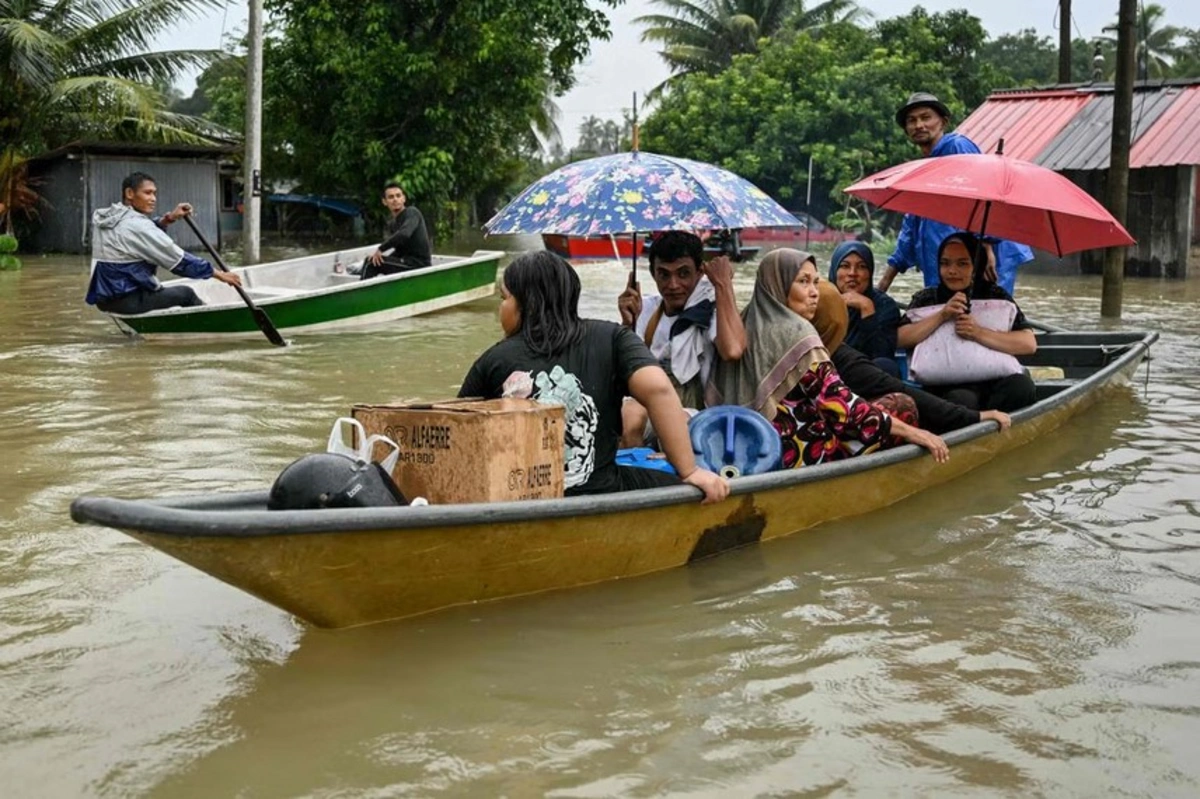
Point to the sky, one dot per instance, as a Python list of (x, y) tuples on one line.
[(618, 68)]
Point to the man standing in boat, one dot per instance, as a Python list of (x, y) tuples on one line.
[(924, 119), (693, 320), (128, 245), (406, 240)]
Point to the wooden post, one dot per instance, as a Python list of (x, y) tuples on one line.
[(1118, 162), (252, 178), (633, 138), (1064, 41)]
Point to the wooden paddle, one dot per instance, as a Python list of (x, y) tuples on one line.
[(260, 316)]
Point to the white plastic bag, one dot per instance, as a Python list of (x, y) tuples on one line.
[(946, 359)]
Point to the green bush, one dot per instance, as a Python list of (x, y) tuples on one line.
[(9, 263), (8, 244)]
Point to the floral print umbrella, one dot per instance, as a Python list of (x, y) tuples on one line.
[(638, 192)]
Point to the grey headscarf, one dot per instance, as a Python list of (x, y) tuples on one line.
[(781, 344)]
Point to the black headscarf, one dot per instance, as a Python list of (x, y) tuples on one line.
[(981, 288)]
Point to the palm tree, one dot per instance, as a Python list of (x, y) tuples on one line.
[(76, 69), (705, 35), (1155, 42)]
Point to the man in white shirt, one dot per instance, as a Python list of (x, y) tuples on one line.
[(692, 321)]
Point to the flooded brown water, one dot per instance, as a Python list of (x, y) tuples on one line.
[(1033, 629)]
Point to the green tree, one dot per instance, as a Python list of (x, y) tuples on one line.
[(1027, 59), (440, 95), (833, 98), (1186, 54), (598, 137), (706, 35), (76, 69), (1155, 41), (952, 39)]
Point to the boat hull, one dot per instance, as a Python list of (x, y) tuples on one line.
[(587, 247), (309, 295), (352, 567)]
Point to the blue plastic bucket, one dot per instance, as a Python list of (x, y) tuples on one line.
[(733, 441)]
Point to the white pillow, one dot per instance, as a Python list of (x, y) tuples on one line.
[(944, 358)]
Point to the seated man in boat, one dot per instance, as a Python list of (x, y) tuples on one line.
[(128, 245), (406, 240), (551, 355), (873, 315), (693, 320)]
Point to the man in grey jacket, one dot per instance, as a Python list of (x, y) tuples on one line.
[(128, 246)]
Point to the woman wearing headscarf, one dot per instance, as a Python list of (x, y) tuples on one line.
[(1011, 388), (551, 355), (786, 375), (874, 316), (864, 377)]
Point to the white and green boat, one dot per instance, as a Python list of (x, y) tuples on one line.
[(316, 293)]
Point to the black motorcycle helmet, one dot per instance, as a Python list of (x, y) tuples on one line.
[(329, 480)]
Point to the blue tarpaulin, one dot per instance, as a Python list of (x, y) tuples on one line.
[(343, 207)]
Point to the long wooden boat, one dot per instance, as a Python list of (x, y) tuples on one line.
[(316, 293), (338, 568)]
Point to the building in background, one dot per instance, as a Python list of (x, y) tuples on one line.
[(1068, 128), (78, 178)]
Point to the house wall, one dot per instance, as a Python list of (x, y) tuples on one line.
[(1196, 206), (1159, 215), (73, 186), (179, 180), (60, 225)]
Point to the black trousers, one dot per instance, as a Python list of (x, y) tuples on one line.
[(390, 266), (144, 300), (635, 477), (1007, 394), (866, 379)]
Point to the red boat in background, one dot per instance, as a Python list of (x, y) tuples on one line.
[(580, 247), (621, 246), (815, 231)]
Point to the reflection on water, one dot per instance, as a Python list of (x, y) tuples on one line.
[(1029, 629)]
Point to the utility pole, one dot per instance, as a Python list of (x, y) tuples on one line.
[(1064, 41), (1118, 162), (252, 178)]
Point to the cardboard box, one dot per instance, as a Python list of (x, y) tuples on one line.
[(473, 450)]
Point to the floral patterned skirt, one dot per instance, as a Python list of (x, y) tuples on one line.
[(836, 424)]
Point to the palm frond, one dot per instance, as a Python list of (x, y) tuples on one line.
[(33, 53)]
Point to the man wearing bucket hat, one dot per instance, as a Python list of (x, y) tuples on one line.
[(924, 119)]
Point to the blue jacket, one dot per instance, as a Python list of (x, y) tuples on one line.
[(920, 238), (127, 248)]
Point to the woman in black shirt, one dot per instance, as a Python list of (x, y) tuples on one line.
[(588, 366)]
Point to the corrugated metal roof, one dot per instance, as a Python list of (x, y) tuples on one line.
[(1173, 138), (1070, 126), (1026, 121), (1086, 141)]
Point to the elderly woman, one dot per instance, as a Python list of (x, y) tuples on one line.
[(970, 359), (552, 355), (787, 376), (873, 315)]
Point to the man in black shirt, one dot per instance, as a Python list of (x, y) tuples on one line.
[(406, 238)]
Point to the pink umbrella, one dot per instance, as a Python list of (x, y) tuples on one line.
[(1003, 197)]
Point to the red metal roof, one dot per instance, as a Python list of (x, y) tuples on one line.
[(1068, 127), (1173, 138), (1027, 121)]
